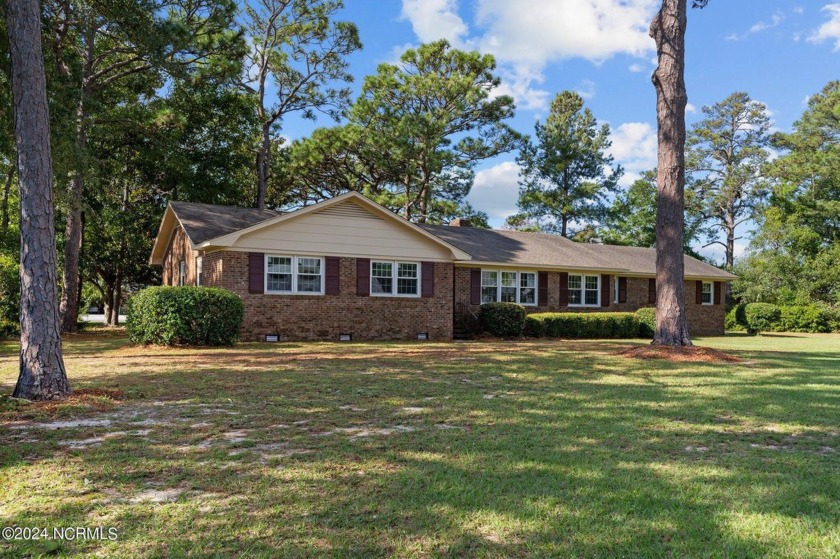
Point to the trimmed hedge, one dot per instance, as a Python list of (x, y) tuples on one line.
[(582, 325), (505, 320), (647, 322), (761, 317), (184, 316), (803, 319)]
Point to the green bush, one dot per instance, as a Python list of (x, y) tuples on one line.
[(582, 325), (9, 329), (505, 320), (803, 318), (9, 291), (647, 322), (184, 315), (832, 317), (761, 317), (735, 320)]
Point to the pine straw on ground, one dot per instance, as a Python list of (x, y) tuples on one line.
[(693, 354), (81, 400)]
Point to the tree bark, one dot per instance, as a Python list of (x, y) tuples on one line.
[(668, 30), (42, 375), (69, 307), (263, 165)]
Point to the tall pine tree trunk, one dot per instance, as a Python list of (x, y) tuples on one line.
[(42, 375), (668, 30), (70, 283), (263, 165)]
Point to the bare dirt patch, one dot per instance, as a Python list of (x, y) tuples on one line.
[(692, 354)]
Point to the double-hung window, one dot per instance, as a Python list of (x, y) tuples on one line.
[(294, 274), (182, 272), (199, 270), (584, 291), (508, 287), (707, 295), (396, 279)]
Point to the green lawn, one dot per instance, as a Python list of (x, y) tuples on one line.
[(485, 449)]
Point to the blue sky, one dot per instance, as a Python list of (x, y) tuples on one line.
[(778, 51)]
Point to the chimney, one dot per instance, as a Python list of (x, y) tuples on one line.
[(460, 222)]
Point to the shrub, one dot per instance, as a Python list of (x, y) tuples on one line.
[(735, 318), (184, 315), (832, 317), (582, 325), (647, 322), (761, 317), (9, 290), (804, 318), (9, 329), (506, 320)]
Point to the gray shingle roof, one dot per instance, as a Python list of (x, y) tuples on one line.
[(542, 249), (202, 222)]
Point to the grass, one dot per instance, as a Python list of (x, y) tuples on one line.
[(485, 449)]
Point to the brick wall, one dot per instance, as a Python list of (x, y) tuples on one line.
[(178, 250), (324, 317), (702, 319)]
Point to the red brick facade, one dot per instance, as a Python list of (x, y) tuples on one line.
[(324, 317), (702, 319)]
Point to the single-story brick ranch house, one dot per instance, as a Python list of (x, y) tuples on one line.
[(348, 266)]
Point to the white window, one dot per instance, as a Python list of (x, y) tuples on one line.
[(509, 287), (199, 270), (396, 279), (294, 274), (182, 272), (707, 293), (584, 291)]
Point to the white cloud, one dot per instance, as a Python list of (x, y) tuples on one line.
[(524, 39), (636, 68), (432, 20), (634, 147), (830, 30), (775, 20), (496, 190), (549, 30), (689, 108), (586, 89)]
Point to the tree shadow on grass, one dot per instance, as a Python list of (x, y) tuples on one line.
[(516, 454)]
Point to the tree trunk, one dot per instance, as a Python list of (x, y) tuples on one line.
[(668, 30), (263, 165), (4, 210), (73, 231), (42, 375), (114, 318), (564, 225)]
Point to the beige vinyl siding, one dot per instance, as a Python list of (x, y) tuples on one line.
[(345, 229)]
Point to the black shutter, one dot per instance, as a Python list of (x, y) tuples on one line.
[(256, 272), (332, 282), (363, 277), (719, 287), (475, 286), (605, 290), (542, 289), (698, 292), (564, 289), (622, 290), (427, 273), (652, 291)]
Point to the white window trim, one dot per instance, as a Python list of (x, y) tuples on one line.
[(394, 271), (294, 290), (518, 281), (583, 302), (182, 272), (199, 270), (711, 285)]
